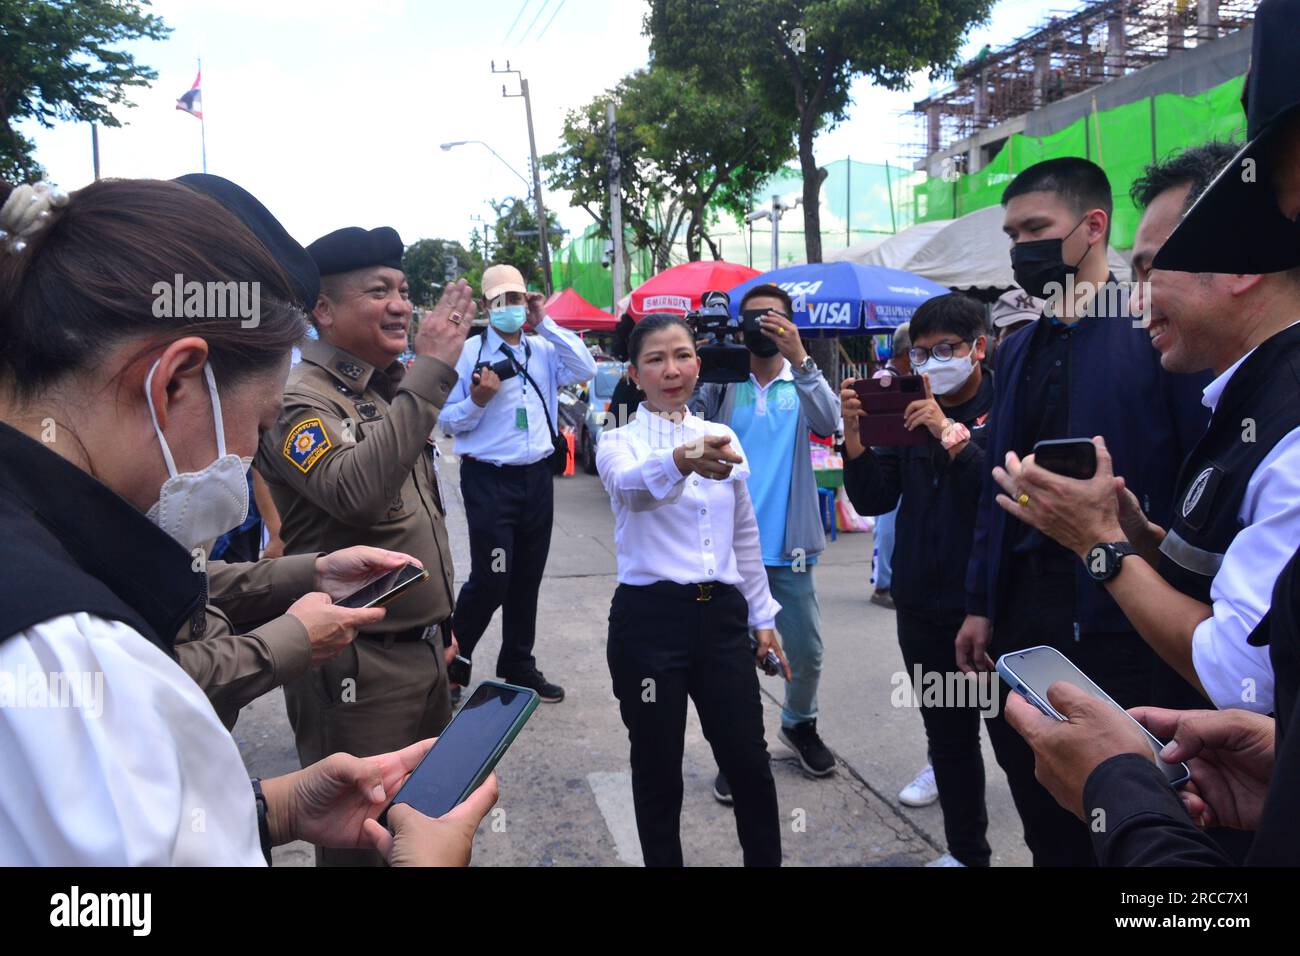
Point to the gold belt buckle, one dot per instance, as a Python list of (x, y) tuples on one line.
[(705, 595)]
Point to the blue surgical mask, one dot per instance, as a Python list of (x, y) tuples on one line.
[(507, 319)]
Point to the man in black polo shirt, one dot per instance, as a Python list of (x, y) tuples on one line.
[(1082, 369)]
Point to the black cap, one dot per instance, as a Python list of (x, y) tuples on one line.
[(293, 258), (345, 250), (1236, 225)]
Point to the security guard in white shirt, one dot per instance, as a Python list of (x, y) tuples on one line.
[(691, 588)]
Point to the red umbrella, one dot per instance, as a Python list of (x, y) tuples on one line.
[(679, 289), (572, 311)]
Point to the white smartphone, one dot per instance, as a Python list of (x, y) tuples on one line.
[(1031, 671)]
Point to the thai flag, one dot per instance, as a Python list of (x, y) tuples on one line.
[(192, 101)]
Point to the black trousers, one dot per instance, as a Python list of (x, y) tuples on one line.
[(509, 510), (1039, 609), (665, 645), (927, 639)]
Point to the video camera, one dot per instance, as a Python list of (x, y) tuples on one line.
[(724, 359)]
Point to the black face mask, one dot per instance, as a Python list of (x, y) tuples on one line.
[(1038, 264), (755, 340)]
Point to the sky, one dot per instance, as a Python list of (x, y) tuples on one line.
[(332, 111)]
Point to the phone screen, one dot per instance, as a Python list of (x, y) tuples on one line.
[(468, 748), (402, 578), (1039, 667), (1071, 457)]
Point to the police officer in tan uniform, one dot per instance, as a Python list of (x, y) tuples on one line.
[(350, 461)]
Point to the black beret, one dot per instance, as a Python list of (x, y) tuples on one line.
[(351, 248), (293, 258)]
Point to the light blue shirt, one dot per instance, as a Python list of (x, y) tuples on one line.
[(554, 357), (766, 420)]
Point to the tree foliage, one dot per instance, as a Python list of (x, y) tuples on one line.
[(430, 264), (513, 217), (688, 140), (803, 55), (60, 61)]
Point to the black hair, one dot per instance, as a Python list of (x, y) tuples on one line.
[(772, 291), (1081, 185), (87, 285), (622, 334), (958, 314), (1195, 167), (649, 326)]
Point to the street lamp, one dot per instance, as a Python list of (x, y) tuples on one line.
[(447, 147)]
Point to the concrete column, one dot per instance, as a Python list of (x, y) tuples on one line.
[(933, 129), (1175, 42), (1042, 73), (1116, 46), (1207, 20)]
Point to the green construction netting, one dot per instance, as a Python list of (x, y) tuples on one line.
[(1123, 141), (859, 199)]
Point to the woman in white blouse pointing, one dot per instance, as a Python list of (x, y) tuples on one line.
[(691, 588)]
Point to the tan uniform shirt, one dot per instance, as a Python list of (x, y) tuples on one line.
[(350, 462), (248, 646)]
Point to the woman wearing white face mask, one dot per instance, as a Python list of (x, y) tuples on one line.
[(125, 425), (936, 487)]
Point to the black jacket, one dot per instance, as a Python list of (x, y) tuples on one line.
[(936, 516), (1146, 823)]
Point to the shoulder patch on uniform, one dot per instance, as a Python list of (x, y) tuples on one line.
[(306, 444)]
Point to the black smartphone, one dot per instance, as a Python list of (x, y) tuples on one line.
[(458, 671), (385, 587), (770, 664), (468, 748), (1071, 457)]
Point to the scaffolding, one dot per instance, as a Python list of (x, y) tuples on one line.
[(1073, 52)]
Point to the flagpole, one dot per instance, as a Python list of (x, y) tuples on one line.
[(203, 126)]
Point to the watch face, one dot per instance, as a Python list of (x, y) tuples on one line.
[(1103, 562)]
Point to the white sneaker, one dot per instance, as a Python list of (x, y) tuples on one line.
[(922, 791), (947, 860)]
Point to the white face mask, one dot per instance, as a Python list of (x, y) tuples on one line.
[(195, 507), (946, 377)]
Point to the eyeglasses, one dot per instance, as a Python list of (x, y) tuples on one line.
[(942, 352)]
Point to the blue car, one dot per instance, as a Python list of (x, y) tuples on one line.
[(599, 391)]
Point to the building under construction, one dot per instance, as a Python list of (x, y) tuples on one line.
[(1100, 56)]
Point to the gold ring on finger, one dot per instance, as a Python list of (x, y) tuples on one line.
[(1022, 499)]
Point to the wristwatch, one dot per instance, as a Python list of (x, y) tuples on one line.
[(1103, 560), (807, 366)]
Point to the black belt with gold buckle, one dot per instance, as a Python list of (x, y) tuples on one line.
[(706, 593)]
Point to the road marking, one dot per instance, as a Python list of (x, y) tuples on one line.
[(613, 792)]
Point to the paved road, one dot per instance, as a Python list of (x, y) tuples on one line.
[(565, 787)]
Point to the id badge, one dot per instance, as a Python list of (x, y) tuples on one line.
[(521, 418)]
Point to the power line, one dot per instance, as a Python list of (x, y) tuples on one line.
[(545, 4), (550, 21), (516, 20)]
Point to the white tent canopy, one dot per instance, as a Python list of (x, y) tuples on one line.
[(973, 253), (897, 250)]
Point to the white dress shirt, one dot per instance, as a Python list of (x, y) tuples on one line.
[(554, 356), (682, 528), (130, 768), (1242, 591)]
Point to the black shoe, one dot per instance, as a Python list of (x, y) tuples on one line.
[(814, 755), (722, 790), (534, 679)]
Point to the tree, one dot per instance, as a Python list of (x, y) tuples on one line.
[(57, 62), (687, 141), (805, 54), (515, 239), (430, 264)]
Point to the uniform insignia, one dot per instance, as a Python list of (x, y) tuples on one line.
[(345, 390), (367, 410), (350, 369), (306, 444), (1199, 499)]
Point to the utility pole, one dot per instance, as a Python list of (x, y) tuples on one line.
[(537, 172), (94, 147), (615, 206)]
